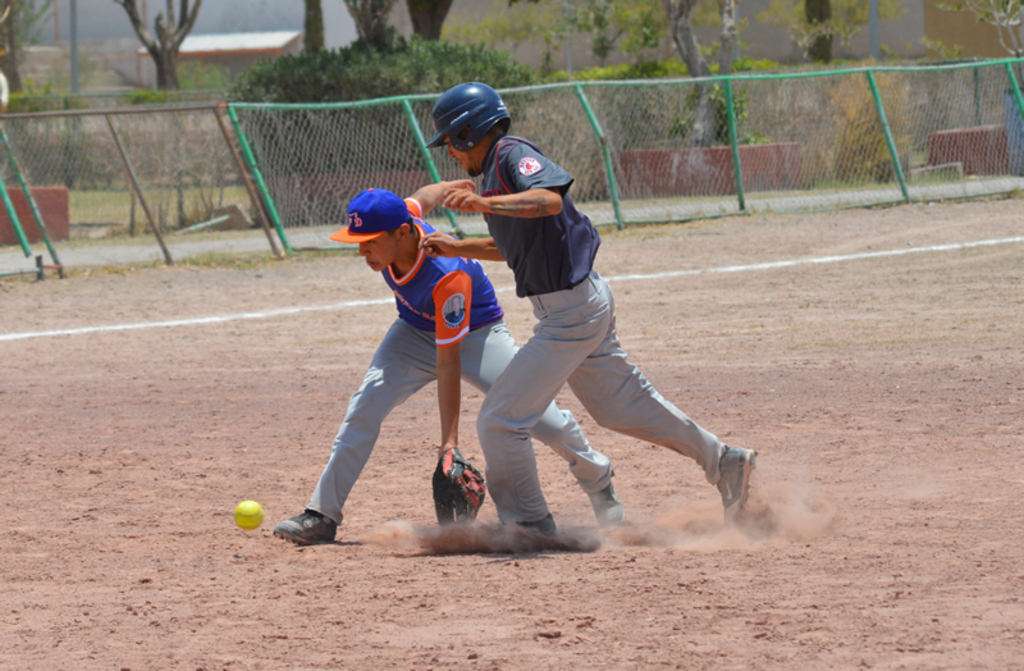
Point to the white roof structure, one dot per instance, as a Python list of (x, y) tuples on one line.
[(236, 42)]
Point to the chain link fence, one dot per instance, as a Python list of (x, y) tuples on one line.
[(144, 172), (673, 150), (641, 151)]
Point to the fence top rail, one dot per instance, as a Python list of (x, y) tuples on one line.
[(400, 99), (134, 109)]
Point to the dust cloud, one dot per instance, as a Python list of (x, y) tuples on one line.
[(776, 514), (480, 539)]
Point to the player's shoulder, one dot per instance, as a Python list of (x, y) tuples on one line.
[(414, 207)]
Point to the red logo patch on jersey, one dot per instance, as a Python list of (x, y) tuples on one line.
[(529, 166)]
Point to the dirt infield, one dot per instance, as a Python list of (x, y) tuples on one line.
[(885, 528)]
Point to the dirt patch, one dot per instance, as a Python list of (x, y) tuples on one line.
[(884, 393)]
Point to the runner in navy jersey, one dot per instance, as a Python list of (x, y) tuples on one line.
[(550, 247)]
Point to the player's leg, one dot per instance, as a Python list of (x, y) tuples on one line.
[(486, 353), (404, 362), (621, 398), (485, 356), (521, 395)]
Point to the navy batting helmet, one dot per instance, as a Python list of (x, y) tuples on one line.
[(465, 113)]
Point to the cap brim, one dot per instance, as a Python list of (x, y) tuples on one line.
[(345, 236)]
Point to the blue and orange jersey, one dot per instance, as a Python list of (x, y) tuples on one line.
[(450, 297)]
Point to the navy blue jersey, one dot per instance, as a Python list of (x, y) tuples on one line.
[(546, 253), (448, 296)]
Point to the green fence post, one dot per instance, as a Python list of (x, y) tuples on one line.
[(613, 187), (28, 196), (15, 222), (888, 136), (251, 158), (737, 168), (429, 160)]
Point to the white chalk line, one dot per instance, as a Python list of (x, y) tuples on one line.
[(268, 314)]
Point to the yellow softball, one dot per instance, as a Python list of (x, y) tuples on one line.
[(249, 515)]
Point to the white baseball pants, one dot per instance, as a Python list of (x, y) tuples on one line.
[(403, 364), (575, 341)]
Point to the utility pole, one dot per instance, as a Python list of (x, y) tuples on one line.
[(74, 46)]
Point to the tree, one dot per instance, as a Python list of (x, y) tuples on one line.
[(1005, 15), (680, 20), (818, 13), (170, 33), (640, 24), (845, 21), (509, 24), (22, 26), (428, 17), (371, 17), (313, 27)]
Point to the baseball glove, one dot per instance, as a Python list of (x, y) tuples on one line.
[(459, 489)]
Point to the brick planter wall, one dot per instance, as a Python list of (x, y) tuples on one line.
[(700, 171), (53, 208), (981, 150)]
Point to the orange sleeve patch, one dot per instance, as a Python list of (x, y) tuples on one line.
[(415, 209), (452, 298)]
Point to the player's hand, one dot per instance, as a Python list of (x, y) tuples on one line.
[(438, 244), (463, 199), (460, 184)]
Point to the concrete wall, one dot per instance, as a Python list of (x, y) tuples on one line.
[(52, 202), (962, 29)]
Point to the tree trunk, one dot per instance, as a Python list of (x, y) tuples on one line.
[(170, 33), (313, 41), (166, 70), (371, 17), (9, 61), (680, 14), (727, 12), (428, 17), (817, 13)]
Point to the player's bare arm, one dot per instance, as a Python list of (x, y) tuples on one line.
[(527, 204), (438, 244), (430, 195), (449, 394)]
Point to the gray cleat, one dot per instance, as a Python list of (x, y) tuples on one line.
[(735, 467), (545, 526), (607, 507), (308, 528)]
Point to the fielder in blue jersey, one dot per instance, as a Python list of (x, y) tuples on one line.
[(449, 329), (550, 247)]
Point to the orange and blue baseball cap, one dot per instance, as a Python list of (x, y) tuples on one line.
[(370, 214)]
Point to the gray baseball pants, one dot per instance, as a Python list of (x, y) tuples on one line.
[(404, 363), (575, 341)]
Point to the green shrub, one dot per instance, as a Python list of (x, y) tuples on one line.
[(33, 99), (146, 97), (671, 68), (361, 73)]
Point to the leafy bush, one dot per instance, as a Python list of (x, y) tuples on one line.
[(672, 68), (146, 97), (861, 152), (33, 99), (740, 100), (361, 73)]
